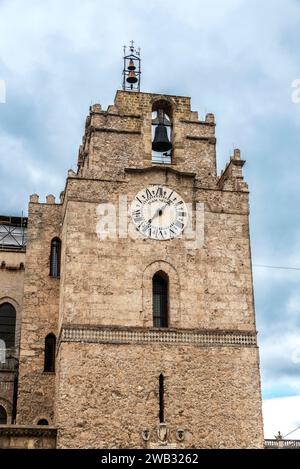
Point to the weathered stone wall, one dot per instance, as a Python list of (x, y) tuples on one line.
[(12, 265), (214, 281), (40, 314), (7, 379), (213, 393)]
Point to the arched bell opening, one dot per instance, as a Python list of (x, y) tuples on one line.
[(162, 132)]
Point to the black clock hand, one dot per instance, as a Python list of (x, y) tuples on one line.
[(154, 216), (159, 212)]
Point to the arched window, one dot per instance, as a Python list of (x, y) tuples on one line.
[(55, 257), (43, 422), (49, 357), (3, 416), (160, 284), (7, 324)]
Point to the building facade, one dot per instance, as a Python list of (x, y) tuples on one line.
[(138, 321), (12, 268)]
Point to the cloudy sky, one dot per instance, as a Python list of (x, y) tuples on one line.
[(235, 58)]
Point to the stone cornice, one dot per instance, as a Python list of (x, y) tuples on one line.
[(118, 131), (32, 431), (209, 124), (114, 114), (211, 140), (137, 335), (160, 168)]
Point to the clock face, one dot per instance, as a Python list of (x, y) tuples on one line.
[(159, 213)]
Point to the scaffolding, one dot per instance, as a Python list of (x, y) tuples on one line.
[(13, 232)]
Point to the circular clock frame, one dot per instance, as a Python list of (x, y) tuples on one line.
[(159, 213)]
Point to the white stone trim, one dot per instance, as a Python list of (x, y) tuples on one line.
[(142, 336)]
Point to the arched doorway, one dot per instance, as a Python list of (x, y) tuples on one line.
[(3, 416)]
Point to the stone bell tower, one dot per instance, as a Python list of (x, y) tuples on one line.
[(153, 306)]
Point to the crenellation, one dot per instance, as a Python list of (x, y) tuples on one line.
[(50, 199), (236, 154), (71, 173), (210, 118), (34, 198), (96, 108)]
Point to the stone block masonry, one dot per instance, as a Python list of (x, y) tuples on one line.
[(105, 390)]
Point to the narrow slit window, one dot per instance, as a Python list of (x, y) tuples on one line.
[(160, 300), (161, 399), (55, 257), (49, 358)]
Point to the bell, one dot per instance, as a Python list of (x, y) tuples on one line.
[(161, 140), (131, 65), (131, 77)]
